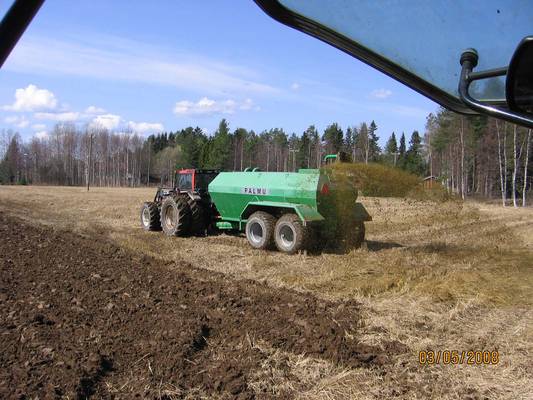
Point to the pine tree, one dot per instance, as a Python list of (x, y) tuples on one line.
[(373, 143), (348, 144), (391, 150), (401, 152), (402, 149), (11, 164), (205, 154), (220, 152), (315, 147), (303, 156), (363, 142), (191, 140), (414, 162), (333, 137)]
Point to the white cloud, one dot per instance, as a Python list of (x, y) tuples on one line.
[(68, 116), (115, 59), (248, 104), (206, 106), (23, 123), (295, 86), (94, 110), (107, 121), (38, 127), (145, 127), (381, 93), (32, 98), (41, 135), (18, 121)]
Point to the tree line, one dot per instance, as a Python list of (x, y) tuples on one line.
[(71, 156), (471, 156), (479, 156)]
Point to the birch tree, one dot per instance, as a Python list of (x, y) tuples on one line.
[(526, 160), (503, 175)]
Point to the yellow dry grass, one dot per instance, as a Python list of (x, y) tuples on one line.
[(440, 276)]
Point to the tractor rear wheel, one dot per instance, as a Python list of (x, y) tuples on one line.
[(290, 234), (175, 216), (198, 217), (150, 220), (260, 230)]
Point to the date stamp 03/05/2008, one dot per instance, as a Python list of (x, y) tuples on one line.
[(458, 357)]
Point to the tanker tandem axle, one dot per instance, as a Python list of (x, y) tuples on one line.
[(289, 210)]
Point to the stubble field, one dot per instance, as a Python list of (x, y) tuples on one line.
[(432, 276)]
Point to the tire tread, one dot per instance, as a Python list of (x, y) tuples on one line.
[(269, 222), (183, 224), (302, 233), (155, 221)]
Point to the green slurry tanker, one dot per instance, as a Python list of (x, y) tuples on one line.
[(291, 210)]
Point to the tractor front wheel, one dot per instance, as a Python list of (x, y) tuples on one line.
[(150, 220), (260, 229), (175, 216), (290, 234)]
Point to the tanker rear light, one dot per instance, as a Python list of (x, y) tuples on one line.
[(325, 189)]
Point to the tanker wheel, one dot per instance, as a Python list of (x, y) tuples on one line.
[(150, 220), (198, 220), (260, 230), (175, 216), (290, 234)]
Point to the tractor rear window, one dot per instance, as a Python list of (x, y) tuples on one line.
[(203, 180), (185, 182)]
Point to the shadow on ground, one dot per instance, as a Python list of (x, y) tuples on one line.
[(374, 245)]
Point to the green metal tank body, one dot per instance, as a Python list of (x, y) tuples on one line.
[(236, 193)]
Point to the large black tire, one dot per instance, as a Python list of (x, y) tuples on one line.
[(175, 216), (260, 230), (150, 220), (290, 235), (198, 217)]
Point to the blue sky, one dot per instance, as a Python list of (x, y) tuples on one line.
[(171, 64)]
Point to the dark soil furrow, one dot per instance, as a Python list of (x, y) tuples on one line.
[(83, 318)]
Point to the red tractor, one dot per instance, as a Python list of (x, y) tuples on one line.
[(184, 208)]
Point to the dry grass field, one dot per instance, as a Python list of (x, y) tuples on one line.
[(433, 276)]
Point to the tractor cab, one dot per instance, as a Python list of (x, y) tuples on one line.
[(185, 208), (194, 180)]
